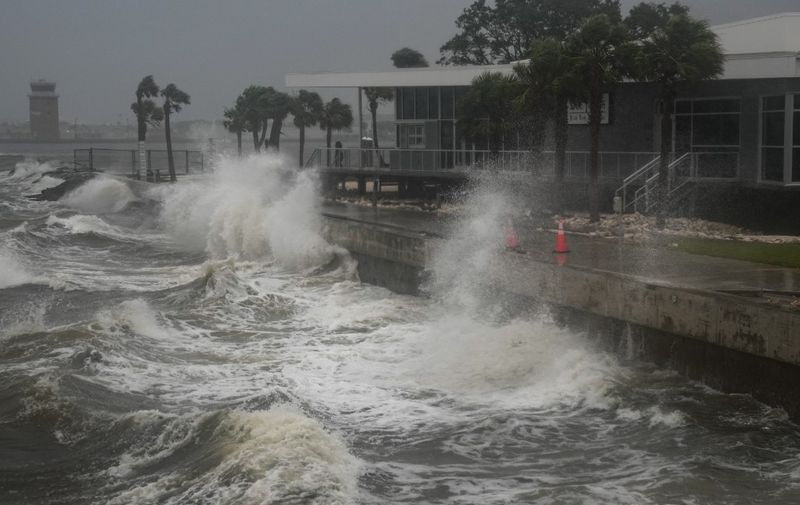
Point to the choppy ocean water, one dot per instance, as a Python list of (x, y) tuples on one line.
[(201, 343)]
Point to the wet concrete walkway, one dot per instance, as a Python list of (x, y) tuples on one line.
[(649, 264)]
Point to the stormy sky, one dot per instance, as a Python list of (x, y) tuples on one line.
[(97, 50)]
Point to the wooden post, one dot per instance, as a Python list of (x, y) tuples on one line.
[(91, 159), (187, 161)]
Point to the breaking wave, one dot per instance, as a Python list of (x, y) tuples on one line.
[(101, 195), (252, 208)]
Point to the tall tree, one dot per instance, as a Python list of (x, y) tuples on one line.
[(549, 85), (682, 52), (504, 32), (235, 123), (279, 106), (408, 58), (647, 17), (306, 108), (335, 116), (486, 111), (602, 52), (174, 100), (254, 102), (147, 113), (375, 97)]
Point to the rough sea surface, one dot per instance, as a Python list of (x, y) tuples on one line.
[(200, 343)]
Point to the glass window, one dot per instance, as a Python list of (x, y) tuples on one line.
[(683, 107), (718, 105), (773, 103), (408, 103), (715, 130), (433, 103), (447, 103), (796, 164), (796, 102), (398, 103), (416, 136), (796, 129), (772, 163), (421, 103), (772, 128)]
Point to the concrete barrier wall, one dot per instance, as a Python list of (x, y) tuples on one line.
[(733, 343)]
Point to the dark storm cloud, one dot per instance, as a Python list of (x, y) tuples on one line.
[(98, 50)]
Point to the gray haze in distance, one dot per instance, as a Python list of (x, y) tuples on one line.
[(97, 51)]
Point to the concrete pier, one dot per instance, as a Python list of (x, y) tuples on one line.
[(733, 343)]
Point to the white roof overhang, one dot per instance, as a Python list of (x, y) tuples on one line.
[(760, 48), (412, 77)]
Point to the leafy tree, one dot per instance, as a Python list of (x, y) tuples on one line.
[(486, 111), (235, 122), (647, 17), (549, 85), (146, 111), (335, 116), (503, 32), (254, 104), (306, 108), (174, 100), (601, 51), (278, 107), (375, 97), (408, 58), (682, 52)]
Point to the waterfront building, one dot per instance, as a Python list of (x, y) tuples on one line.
[(43, 110), (738, 135)]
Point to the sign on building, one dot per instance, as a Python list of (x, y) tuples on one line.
[(579, 114)]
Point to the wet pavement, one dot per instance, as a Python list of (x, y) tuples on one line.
[(650, 264)]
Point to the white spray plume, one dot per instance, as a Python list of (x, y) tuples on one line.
[(251, 208)]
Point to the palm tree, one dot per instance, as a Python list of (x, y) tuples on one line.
[(174, 100), (254, 104), (147, 113), (682, 52), (487, 110), (306, 108), (335, 116), (375, 97), (278, 108), (601, 51), (235, 122), (549, 86)]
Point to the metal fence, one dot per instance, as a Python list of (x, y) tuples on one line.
[(126, 161), (613, 165)]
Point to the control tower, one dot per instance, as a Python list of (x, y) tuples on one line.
[(44, 110)]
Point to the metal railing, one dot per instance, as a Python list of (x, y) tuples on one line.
[(613, 165), (126, 161), (682, 172)]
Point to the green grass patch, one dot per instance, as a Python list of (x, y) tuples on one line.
[(783, 255)]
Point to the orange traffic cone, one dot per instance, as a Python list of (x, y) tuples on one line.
[(512, 239), (561, 240)]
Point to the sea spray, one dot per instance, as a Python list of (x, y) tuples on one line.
[(100, 196), (12, 270), (252, 208)]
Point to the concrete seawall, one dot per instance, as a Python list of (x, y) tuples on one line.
[(733, 343)]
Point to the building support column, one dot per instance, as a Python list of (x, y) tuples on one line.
[(360, 129)]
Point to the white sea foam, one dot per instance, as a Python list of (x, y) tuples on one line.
[(82, 224), (100, 195), (266, 457), (12, 271), (252, 208)]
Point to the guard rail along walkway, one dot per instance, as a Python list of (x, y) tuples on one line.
[(639, 191)]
